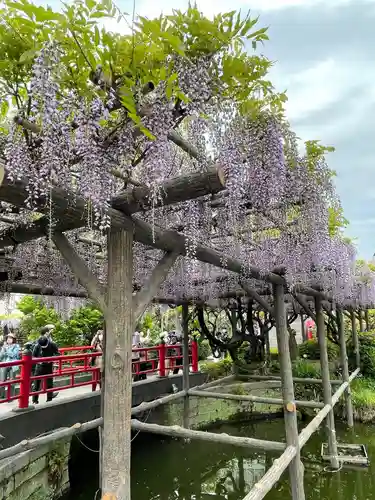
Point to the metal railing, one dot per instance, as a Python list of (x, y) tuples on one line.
[(160, 360)]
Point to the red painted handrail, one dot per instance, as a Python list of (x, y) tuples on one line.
[(158, 359)]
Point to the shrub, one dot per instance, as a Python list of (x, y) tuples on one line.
[(204, 349), (363, 397), (310, 349), (305, 369), (366, 352), (308, 392), (217, 369)]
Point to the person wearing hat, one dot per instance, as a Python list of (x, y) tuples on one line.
[(44, 348), (9, 352), (47, 331)]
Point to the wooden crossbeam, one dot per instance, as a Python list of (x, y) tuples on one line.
[(250, 292), (71, 211), (80, 270), (151, 287)]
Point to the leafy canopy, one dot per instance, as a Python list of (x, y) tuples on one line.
[(144, 55), (78, 329)]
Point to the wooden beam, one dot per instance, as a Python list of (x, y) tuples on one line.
[(304, 304), (150, 289), (355, 340), (80, 270), (31, 289), (296, 380), (312, 427), (212, 437), (290, 414), (327, 390), (172, 191), (250, 292), (345, 367), (253, 399), (71, 211), (272, 476), (118, 367), (185, 364)]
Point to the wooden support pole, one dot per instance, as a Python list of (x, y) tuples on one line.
[(345, 367), (80, 270), (180, 432), (150, 288), (313, 426), (185, 368), (367, 322), (355, 340), (253, 399), (290, 414), (361, 324), (303, 330), (233, 317), (327, 391), (118, 363)]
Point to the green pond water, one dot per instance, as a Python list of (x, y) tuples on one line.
[(164, 469)]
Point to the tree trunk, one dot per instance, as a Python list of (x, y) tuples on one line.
[(293, 348), (118, 369)]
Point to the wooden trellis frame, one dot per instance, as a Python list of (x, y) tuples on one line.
[(70, 212)]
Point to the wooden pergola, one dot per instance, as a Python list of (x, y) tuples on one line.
[(122, 307)]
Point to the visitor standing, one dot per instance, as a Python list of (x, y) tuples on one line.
[(9, 352), (97, 346), (44, 348)]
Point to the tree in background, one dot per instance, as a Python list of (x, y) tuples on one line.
[(79, 329)]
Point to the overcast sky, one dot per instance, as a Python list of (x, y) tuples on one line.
[(323, 58)]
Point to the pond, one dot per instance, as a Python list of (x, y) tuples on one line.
[(164, 469)]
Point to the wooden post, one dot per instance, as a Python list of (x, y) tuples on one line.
[(290, 414), (303, 332), (367, 322), (327, 391), (344, 366), (355, 340), (361, 325), (185, 371), (233, 317), (118, 371)]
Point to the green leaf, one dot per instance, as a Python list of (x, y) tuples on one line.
[(28, 56), (147, 133)]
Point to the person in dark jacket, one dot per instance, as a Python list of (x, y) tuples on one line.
[(44, 348)]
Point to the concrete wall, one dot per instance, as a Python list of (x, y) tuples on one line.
[(46, 417), (40, 474)]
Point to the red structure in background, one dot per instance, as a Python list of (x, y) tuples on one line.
[(70, 365)]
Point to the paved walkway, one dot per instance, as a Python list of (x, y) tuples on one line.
[(68, 393)]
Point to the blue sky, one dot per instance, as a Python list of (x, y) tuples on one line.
[(323, 53)]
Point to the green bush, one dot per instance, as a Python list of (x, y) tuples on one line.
[(306, 369), (310, 350), (366, 352), (204, 350), (217, 369)]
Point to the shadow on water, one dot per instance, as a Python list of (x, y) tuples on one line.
[(164, 469)]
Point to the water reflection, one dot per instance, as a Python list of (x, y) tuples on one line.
[(196, 471), (179, 470)]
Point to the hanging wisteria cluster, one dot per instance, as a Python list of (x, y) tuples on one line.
[(274, 212)]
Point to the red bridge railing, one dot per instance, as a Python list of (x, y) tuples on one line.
[(161, 360)]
